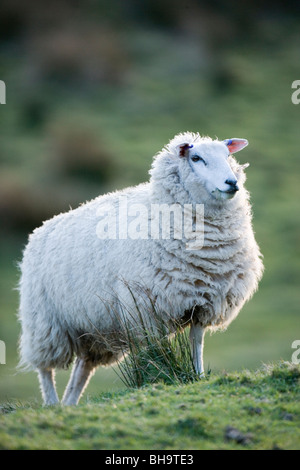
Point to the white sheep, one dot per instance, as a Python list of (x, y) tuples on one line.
[(70, 265)]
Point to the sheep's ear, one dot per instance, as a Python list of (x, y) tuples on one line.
[(235, 145), (183, 149)]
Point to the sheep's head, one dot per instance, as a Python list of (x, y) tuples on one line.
[(210, 164)]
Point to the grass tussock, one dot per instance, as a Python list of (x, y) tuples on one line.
[(157, 358), (154, 346)]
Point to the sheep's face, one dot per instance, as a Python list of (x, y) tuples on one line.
[(211, 168)]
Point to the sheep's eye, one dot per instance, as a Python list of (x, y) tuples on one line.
[(196, 158)]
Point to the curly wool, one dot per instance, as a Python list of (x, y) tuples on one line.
[(72, 280)]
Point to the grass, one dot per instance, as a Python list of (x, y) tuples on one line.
[(151, 345), (238, 410), (151, 355), (158, 358)]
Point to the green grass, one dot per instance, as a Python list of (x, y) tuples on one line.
[(152, 355), (263, 406)]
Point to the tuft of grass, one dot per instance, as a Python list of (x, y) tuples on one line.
[(158, 358), (150, 353), (13, 406)]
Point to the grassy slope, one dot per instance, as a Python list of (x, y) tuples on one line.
[(263, 403)]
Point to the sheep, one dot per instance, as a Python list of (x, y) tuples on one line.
[(71, 271)]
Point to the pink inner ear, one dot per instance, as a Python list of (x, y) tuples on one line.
[(234, 145)]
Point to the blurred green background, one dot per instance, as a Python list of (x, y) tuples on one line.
[(96, 88)]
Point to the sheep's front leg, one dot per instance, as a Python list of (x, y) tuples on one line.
[(197, 342), (81, 374)]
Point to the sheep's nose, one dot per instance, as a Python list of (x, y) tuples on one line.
[(233, 185)]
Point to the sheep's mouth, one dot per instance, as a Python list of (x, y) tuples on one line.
[(218, 194)]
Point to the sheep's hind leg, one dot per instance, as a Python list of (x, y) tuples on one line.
[(197, 343), (81, 374), (47, 383)]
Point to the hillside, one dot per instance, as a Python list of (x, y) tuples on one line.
[(247, 410)]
